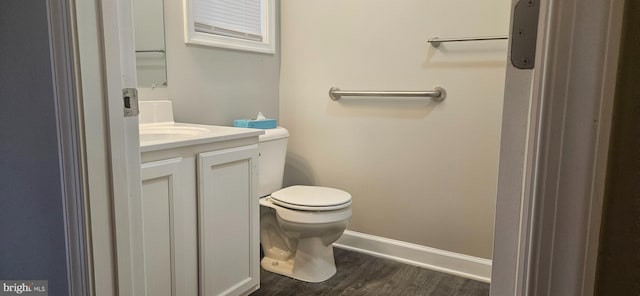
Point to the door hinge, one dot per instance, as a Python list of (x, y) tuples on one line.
[(524, 34), (130, 101)]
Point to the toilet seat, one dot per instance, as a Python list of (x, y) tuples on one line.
[(311, 198), (310, 208), (307, 217)]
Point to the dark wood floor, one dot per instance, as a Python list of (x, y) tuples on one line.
[(360, 274)]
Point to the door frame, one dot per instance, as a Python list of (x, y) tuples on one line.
[(74, 198), (530, 217), (550, 190)]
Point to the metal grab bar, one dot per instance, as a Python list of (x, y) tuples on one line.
[(438, 93), (435, 42), (150, 50)]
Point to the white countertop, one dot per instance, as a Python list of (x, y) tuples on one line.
[(167, 135)]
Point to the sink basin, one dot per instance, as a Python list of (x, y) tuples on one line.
[(167, 135)]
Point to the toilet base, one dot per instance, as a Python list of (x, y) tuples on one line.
[(277, 266), (313, 262)]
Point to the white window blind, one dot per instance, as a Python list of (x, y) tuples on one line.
[(233, 18)]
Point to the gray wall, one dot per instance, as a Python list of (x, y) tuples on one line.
[(31, 219), (212, 85)]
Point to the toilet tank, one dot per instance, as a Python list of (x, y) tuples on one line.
[(272, 147)]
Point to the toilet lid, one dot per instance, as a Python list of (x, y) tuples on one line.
[(311, 198)]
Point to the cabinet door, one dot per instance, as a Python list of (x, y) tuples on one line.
[(158, 225), (228, 221)]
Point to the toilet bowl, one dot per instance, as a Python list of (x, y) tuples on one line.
[(298, 226)]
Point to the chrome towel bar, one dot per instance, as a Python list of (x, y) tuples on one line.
[(435, 42), (438, 93), (150, 50)]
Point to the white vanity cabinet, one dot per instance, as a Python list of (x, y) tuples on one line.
[(196, 227), (228, 221), (158, 221)]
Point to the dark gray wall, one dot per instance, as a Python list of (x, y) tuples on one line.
[(618, 271), (32, 244)]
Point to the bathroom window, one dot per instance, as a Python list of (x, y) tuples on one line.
[(247, 25)]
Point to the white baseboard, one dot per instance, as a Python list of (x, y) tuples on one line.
[(474, 268)]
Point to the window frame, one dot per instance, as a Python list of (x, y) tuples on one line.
[(268, 27)]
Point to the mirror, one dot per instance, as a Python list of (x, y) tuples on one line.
[(148, 23)]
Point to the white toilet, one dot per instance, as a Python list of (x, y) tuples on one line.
[(298, 224)]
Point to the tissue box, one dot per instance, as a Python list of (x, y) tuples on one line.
[(256, 123)]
